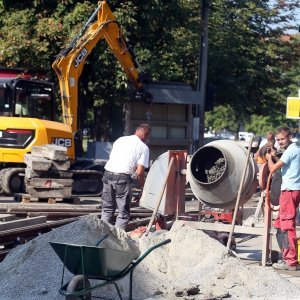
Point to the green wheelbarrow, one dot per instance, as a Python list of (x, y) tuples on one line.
[(105, 265)]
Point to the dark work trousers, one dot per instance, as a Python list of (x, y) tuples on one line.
[(116, 194)]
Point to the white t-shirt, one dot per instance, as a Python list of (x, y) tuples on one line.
[(126, 154)]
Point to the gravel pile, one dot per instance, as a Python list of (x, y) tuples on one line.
[(192, 266)]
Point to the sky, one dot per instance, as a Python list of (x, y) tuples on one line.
[(297, 21), (297, 17)]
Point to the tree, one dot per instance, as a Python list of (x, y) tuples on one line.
[(249, 65), (260, 125), (247, 58), (223, 117)]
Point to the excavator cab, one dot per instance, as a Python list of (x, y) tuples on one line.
[(27, 98), (27, 111)]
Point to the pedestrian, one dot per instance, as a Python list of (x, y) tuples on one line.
[(129, 155), (260, 155), (289, 199)]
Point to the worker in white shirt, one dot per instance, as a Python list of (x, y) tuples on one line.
[(129, 155)]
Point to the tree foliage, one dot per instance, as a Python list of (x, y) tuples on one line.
[(250, 66), (248, 58), (222, 117)]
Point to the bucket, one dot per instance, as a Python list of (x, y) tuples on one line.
[(215, 171)]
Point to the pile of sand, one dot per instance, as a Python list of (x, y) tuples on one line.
[(192, 266)]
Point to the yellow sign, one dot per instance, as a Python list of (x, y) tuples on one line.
[(293, 108)]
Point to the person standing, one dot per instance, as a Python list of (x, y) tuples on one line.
[(129, 155), (289, 199), (260, 155)]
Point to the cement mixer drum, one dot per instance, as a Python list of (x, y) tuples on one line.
[(214, 173)]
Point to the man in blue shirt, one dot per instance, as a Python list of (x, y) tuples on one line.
[(289, 198)]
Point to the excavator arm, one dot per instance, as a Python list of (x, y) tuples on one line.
[(68, 65)]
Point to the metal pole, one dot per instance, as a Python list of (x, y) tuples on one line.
[(239, 195), (202, 72)]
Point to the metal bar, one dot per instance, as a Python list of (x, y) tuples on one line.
[(237, 203), (24, 222), (60, 208), (78, 214), (266, 235)]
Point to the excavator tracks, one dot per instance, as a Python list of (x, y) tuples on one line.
[(85, 182), (12, 180)]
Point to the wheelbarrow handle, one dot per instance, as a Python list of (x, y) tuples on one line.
[(156, 246), (162, 243), (103, 238)]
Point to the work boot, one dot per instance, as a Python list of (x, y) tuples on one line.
[(281, 265)]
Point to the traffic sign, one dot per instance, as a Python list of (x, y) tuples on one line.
[(293, 108)]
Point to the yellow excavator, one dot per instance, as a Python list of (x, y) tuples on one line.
[(27, 106)]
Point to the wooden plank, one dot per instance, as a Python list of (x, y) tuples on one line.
[(266, 234), (31, 199), (21, 223), (225, 227), (23, 198), (52, 200)]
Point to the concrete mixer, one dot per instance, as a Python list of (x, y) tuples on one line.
[(214, 173)]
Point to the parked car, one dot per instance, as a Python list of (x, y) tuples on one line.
[(245, 136), (225, 136)]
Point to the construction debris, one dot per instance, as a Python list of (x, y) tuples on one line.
[(47, 173), (192, 266), (50, 151)]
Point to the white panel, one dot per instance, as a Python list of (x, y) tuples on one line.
[(153, 184)]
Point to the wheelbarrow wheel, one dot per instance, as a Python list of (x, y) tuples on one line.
[(78, 283)]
